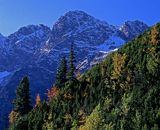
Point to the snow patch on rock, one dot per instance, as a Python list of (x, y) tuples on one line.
[(3, 75), (110, 44)]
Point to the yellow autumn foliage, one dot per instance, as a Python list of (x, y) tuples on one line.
[(155, 34), (93, 121), (118, 64), (13, 117)]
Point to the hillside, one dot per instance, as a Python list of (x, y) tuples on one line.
[(120, 93), (132, 99)]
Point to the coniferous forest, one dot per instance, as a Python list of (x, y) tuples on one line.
[(120, 93)]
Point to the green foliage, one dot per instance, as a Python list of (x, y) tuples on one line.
[(61, 73), (93, 122), (37, 115), (21, 124), (22, 106), (71, 73), (22, 102)]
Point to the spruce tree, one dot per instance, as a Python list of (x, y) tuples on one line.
[(22, 102), (61, 73), (72, 68)]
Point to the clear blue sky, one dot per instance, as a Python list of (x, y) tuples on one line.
[(17, 13)]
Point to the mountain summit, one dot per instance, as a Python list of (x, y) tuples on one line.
[(79, 26), (131, 29)]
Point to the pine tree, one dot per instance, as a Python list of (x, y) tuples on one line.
[(22, 102), (61, 73), (72, 68)]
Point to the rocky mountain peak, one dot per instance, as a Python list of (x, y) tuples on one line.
[(80, 26), (77, 19), (131, 29), (22, 45), (29, 31), (74, 18)]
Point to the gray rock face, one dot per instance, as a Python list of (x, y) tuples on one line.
[(26, 41), (131, 29), (35, 51), (79, 26)]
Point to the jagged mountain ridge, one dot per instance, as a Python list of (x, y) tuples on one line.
[(90, 36), (22, 45), (131, 29), (38, 41), (37, 47), (77, 24)]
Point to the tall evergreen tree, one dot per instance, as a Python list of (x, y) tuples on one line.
[(61, 73), (22, 102), (71, 73)]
